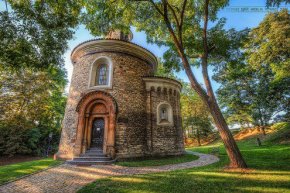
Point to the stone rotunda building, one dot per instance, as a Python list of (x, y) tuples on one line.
[(116, 106)]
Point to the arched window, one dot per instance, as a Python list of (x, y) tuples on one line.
[(102, 75), (164, 114)]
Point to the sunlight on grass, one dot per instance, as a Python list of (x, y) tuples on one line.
[(261, 189), (14, 171), (131, 180), (257, 176), (269, 172)]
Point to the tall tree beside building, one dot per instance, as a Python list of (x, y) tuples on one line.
[(181, 25)]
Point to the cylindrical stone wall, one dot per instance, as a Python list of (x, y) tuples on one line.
[(129, 92), (136, 130)]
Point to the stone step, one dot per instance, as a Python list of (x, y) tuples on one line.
[(92, 159), (88, 163), (94, 151), (95, 148), (94, 154)]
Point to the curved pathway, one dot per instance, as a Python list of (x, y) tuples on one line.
[(68, 178)]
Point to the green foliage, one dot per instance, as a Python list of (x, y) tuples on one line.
[(280, 135), (252, 92), (196, 118), (269, 172), (35, 33), (34, 107), (14, 171), (33, 37), (163, 71), (159, 161), (269, 44), (122, 14), (251, 96), (276, 2)]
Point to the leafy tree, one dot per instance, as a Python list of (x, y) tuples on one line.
[(181, 25), (254, 91), (163, 71), (250, 96), (269, 44), (32, 106), (196, 117), (35, 33), (276, 2), (33, 37)]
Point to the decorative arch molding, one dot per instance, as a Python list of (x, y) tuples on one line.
[(96, 104), (94, 71), (96, 95)]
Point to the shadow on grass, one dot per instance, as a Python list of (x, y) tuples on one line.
[(270, 172), (193, 181), (155, 161)]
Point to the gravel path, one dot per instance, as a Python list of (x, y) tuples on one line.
[(68, 178)]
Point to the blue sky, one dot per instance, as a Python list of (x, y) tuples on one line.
[(239, 15)]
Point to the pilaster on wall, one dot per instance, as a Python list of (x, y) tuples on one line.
[(149, 126)]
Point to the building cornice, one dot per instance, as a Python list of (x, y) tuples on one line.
[(158, 81), (115, 46)]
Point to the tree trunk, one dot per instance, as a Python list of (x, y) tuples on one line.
[(235, 156), (198, 136), (263, 130)]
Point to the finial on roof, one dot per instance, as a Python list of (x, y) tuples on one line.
[(119, 35)]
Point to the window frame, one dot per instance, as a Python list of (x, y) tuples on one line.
[(168, 107), (98, 74), (94, 73)]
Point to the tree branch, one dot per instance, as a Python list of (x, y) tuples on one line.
[(205, 55), (174, 14), (182, 13), (156, 7)]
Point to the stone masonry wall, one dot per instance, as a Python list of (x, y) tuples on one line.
[(166, 139)]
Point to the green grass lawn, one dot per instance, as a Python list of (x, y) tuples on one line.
[(269, 172), (159, 161), (14, 171)]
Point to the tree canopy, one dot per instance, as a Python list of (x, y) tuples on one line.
[(269, 44), (34, 37), (33, 106), (36, 33), (255, 83)]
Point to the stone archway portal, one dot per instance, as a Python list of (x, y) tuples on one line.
[(96, 123)]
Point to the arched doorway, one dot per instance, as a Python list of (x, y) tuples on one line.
[(96, 123)]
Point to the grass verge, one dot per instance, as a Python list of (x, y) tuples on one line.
[(269, 172), (14, 171), (159, 161)]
